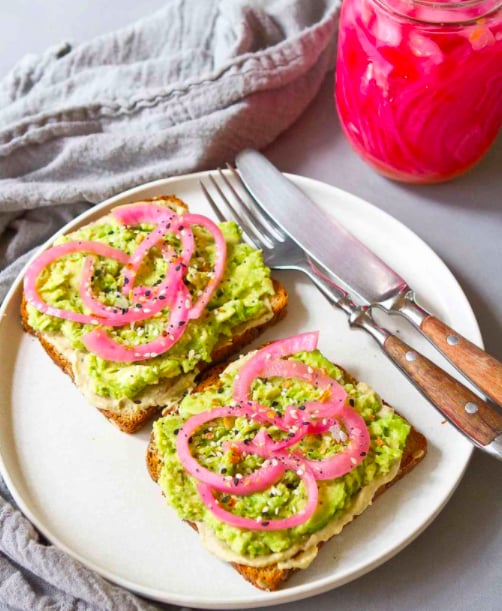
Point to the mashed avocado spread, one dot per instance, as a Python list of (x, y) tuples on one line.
[(388, 433), (242, 295)]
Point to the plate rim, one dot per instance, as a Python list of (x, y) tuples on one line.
[(301, 591)]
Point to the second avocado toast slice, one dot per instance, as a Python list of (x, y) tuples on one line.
[(229, 445)]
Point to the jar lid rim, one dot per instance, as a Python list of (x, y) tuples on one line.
[(442, 11)]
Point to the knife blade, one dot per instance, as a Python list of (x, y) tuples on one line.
[(360, 270)]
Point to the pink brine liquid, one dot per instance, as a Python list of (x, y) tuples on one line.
[(419, 84)]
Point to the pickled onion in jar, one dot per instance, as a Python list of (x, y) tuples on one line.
[(419, 84)]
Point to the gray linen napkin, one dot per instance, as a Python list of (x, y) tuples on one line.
[(181, 90)]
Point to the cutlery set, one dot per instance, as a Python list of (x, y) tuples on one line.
[(294, 233)]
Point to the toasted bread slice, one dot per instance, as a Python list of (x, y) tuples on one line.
[(130, 414), (271, 577)]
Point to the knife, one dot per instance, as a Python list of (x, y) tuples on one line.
[(359, 269)]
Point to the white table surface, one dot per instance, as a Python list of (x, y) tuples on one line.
[(457, 562)]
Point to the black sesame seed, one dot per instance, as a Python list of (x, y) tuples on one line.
[(265, 523)]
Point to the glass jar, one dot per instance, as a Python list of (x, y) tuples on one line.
[(419, 84)]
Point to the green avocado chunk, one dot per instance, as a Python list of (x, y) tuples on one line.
[(388, 433), (243, 295)]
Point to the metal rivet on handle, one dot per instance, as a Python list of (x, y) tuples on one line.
[(471, 408), (452, 340), (411, 356)]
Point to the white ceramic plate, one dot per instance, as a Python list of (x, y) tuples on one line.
[(85, 486)]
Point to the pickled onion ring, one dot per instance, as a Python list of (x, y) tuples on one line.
[(166, 225), (354, 453), (118, 317), (304, 342), (265, 523), (135, 214), (170, 293), (99, 342), (313, 417), (259, 480), (141, 212), (51, 255), (219, 265)]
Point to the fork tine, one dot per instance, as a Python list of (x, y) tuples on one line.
[(233, 215), (265, 222), (241, 216), (212, 203)]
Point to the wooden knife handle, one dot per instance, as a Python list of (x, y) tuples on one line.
[(481, 368), (466, 410)]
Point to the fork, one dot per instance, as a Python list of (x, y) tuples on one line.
[(472, 416)]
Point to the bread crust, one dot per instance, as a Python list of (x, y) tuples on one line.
[(271, 577), (130, 421)]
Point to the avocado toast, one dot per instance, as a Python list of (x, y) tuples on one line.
[(205, 455), (130, 389)]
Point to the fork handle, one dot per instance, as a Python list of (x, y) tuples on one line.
[(474, 417), (468, 412), (483, 370)]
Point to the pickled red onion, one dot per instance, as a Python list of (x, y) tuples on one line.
[(53, 254), (170, 293), (166, 220), (313, 417), (165, 226), (265, 523), (149, 300), (257, 481), (99, 342), (135, 214), (284, 347), (219, 265), (141, 212), (354, 453)]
